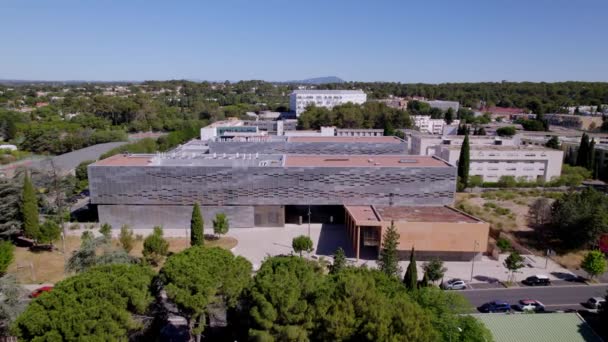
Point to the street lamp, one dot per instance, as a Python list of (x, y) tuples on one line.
[(309, 221), (475, 245)]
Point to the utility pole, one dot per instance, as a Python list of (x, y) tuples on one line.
[(473, 261)]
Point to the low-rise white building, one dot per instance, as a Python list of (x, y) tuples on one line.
[(491, 162), (432, 126), (300, 99), (427, 144)]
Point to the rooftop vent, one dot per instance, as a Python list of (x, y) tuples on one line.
[(407, 161)]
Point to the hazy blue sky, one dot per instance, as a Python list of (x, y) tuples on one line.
[(407, 41)]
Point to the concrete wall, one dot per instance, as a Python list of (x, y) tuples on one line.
[(453, 240), (171, 216)]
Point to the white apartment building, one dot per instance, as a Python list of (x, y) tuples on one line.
[(432, 126), (428, 145), (532, 163), (300, 99)]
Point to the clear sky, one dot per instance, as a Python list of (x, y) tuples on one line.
[(371, 40)]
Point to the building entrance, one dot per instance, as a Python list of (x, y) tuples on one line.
[(298, 214)]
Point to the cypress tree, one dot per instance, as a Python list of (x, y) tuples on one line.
[(463, 162), (425, 281), (591, 156), (197, 237), (389, 260), (583, 151), (29, 209), (410, 280)]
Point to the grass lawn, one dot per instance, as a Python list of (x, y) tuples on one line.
[(48, 267)]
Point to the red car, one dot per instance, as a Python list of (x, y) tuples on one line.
[(40, 291)]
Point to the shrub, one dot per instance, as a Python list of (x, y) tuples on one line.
[(502, 211), (155, 247), (6, 255), (503, 244), (301, 244)]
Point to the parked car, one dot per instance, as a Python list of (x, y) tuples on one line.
[(537, 280), (454, 284), (495, 306), (596, 302), (36, 293), (528, 305)]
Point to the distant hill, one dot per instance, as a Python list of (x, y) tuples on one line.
[(319, 80)]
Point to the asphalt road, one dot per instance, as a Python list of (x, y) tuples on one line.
[(553, 297)]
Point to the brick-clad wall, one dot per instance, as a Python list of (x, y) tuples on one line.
[(283, 147), (227, 186), (171, 216)]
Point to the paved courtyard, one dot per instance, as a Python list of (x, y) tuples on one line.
[(257, 243)]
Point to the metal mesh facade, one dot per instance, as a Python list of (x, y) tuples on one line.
[(220, 186), (285, 147)]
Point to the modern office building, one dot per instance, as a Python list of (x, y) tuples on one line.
[(443, 105), (491, 162), (300, 99), (259, 190)]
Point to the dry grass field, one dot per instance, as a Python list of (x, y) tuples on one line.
[(48, 267)]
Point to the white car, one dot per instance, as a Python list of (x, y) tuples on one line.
[(454, 284), (595, 302), (530, 305)]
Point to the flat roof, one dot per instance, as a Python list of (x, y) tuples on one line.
[(362, 213), (381, 139), (423, 214), (502, 148), (363, 161), (549, 327), (126, 160), (327, 91)]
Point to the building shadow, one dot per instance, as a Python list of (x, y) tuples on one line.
[(568, 277), (332, 237), (489, 280)]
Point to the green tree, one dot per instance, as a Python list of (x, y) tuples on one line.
[(10, 208), (11, 302), (594, 263), (388, 262), (199, 277), (449, 116), (82, 175), (106, 231), (96, 305), (410, 279), (126, 238), (553, 143), (6, 256), (285, 299), (29, 209), (155, 247), (513, 263), (301, 244), (582, 154), (339, 261), (49, 232), (220, 224), (449, 315), (508, 131), (197, 233), (434, 269), (463, 163)]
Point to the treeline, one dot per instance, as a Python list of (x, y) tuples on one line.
[(536, 97), (369, 115), (289, 299)]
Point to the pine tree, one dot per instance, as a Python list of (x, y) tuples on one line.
[(410, 280), (463, 163), (29, 209), (197, 237), (389, 260)]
